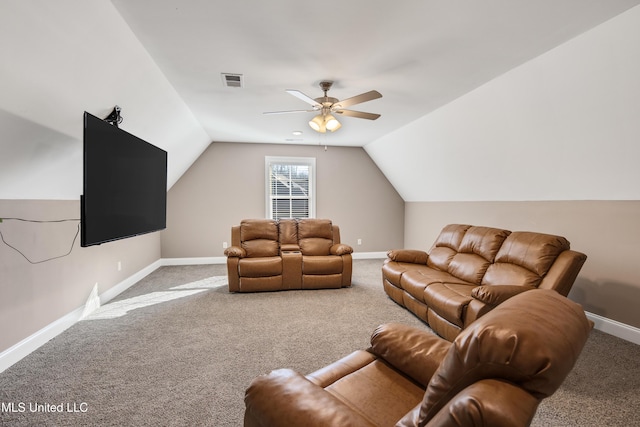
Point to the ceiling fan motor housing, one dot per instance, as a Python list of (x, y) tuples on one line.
[(326, 105), (325, 85), (326, 102)]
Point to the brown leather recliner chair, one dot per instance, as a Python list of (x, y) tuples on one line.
[(495, 373), (269, 255)]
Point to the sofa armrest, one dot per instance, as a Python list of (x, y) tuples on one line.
[(564, 272), (339, 369), (413, 256), (235, 251), (495, 295), (288, 399), (415, 352), (488, 297), (340, 249)]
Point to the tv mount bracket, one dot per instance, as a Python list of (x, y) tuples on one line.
[(114, 118)]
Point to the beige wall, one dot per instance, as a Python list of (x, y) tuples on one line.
[(227, 184), (608, 232), (33, 296)]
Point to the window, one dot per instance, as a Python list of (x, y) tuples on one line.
[(290, 189)]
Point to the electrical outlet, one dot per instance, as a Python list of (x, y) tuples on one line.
[(119, 266), (224, 245), (359, 241)]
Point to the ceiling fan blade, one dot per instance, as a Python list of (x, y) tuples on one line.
[(289, 111), (358, 114), (304, 97), (363, 97)]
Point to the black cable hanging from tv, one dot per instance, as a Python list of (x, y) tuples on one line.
[(114, 118), (39, 221)]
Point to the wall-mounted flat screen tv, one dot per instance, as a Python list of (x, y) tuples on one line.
[(124, 184)]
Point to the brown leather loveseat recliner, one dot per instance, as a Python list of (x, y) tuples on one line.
[(269, 255), (495, 373), (469, 270)]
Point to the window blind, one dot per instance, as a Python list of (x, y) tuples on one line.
[(290, 188)]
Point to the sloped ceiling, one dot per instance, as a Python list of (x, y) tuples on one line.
[(161, 62), (61, 59)]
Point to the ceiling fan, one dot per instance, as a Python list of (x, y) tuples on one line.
[(327, 106)]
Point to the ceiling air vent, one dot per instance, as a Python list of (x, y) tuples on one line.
[(232, 80)]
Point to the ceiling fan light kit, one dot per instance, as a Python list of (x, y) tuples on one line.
[(332, 123), (317, 124), (323, 122), (327, 105)]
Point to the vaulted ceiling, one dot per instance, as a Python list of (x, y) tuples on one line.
[(162, 60)]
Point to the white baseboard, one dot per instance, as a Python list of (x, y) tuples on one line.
[(368, 255), (116, 290), (615, 328), (194, 261), (22, 349)]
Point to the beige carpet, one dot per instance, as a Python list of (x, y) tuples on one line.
[(177, 349)]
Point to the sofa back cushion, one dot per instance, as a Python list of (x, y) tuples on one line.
[(446, 246), (524, 259), (476, 252), (532, 340), (288, 234), (315, 236), (259, 237)]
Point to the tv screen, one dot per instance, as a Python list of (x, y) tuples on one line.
[(124, 184)]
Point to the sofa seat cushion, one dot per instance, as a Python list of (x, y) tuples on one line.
[(331, 264), (260, 267), (286, 398), (416, 281), (379, 392), (449, 300), (392, 271)]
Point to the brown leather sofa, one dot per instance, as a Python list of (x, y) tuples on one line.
[(495, 373), (469, 270), (269, 255)]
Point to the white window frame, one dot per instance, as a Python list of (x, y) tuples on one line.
[(280, 160)]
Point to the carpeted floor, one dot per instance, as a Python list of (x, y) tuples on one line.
[(177, 349)]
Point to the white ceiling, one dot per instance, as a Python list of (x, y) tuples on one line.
[(161, 61), (419, 54)]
